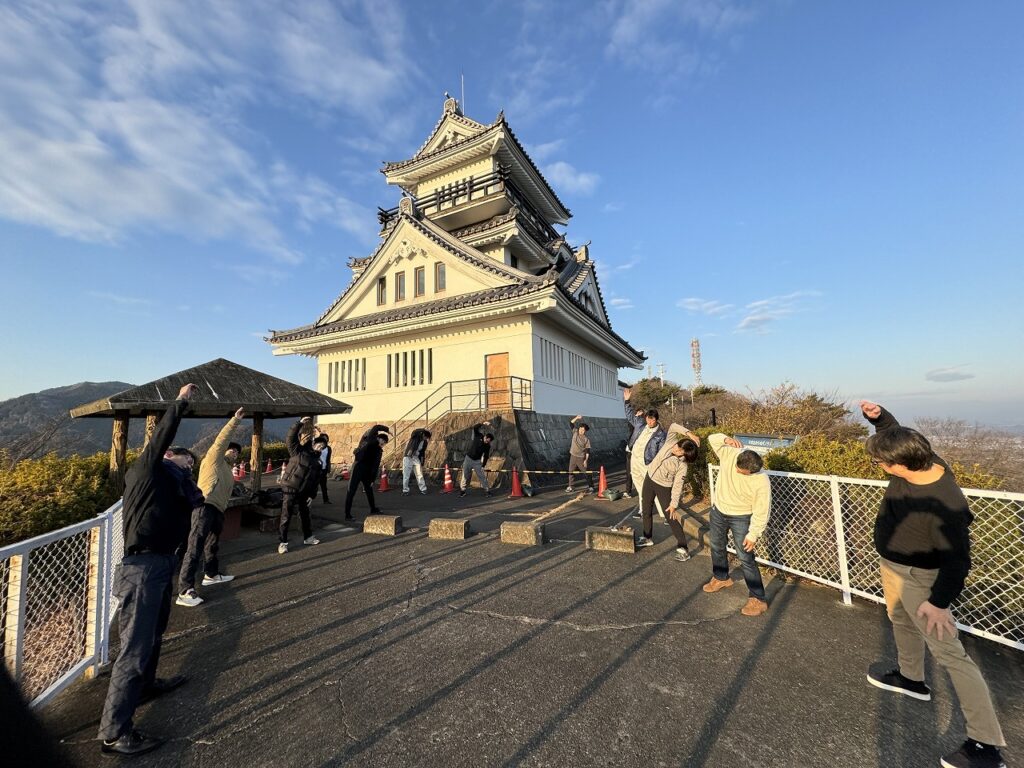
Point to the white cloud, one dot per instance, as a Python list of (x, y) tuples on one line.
[(116, 298), (128, 117), (704, 306), (622, 303), (761, 314), (612, 207), (543, 152), (564, 177), (952, 373), (627, 265)]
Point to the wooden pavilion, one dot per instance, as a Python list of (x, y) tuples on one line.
[(224, 387)]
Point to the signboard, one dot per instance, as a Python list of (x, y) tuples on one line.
[(764, 443)]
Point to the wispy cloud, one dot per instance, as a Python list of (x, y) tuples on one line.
[(564, 176), (627, 265), (762, 314), (543, 152), (141, 109), (674, 37), (952, 373), (619, 303), (612, 207), (124, 301), (711, 307)]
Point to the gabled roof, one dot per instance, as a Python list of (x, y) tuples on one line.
[(451, 113), (224, 386), (441, 238), (576, 274)]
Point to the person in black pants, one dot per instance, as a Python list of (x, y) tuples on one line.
[(325, 465), (366, 466), (157, 508), (298, 483)]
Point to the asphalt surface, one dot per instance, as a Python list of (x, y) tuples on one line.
[(407, 651)]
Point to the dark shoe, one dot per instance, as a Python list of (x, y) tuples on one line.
[(487, 493), (461, 494), (974, 754), (349, 517), (160, 686), (894, 681), (132, 743)]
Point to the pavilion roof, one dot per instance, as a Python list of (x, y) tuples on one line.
[(224, 386)]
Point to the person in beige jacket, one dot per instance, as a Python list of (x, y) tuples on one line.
[(743, 499), (663, 485), (216, 480)]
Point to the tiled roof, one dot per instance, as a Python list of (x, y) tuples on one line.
[(459, 118)]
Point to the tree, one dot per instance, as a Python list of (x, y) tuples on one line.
[(651, 393)]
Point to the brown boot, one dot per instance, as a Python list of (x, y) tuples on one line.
[(716, 584), (754, 607)]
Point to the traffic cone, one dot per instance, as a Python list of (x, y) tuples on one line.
[(234, 472), (344, 471), (270, 467), (383, 487), (449, 486), (517, 489), (242, 473), (602, 485)]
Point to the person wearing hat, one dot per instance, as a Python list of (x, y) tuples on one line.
[(579, 453), (366, 467), (299, 482), (216, 481)]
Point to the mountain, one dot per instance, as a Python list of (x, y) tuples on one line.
[(38, 423)]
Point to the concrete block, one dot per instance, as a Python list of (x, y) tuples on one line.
[(609, 540), (448, 528), (383, 525), (527, 533)]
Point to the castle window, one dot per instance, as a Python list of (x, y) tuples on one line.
[(419, 281), (439, 277), (400, 286), (382, 291)]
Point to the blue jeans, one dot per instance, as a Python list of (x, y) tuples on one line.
[(739, 525)]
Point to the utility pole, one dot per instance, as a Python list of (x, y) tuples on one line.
[(661, 373)]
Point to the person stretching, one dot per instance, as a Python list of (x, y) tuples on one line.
[(663, 484), (366, 466), (476, 457), (579, 453)]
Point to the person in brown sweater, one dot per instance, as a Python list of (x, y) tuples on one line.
[(663, 485)]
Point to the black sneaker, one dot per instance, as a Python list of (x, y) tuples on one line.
[(461, 494), (487, 493), (132, 743), (896, 682), (974, 754)]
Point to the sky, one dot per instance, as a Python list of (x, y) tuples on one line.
[(824, 193)]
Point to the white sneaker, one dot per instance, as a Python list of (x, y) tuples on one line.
[(312, 540), (189, 599), (643, 541), (220, 578), (626, 496), (282, 549), (682, 555)]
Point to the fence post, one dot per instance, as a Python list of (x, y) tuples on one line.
[(16, 605), (94, 594), (837, 515)]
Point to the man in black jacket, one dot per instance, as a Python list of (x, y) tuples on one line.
[(921, 534), (366, 466), (476, 457), (299, 482), (412, 461), (158, 501), (325, 464)]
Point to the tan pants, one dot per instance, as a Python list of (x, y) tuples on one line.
[(905, 589)]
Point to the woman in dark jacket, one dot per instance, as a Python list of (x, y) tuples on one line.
[(299, 482), (366, 466)]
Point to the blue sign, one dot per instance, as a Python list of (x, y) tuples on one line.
[(764, 443)]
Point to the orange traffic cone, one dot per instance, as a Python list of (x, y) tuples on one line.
[(383, 487), (270, 467), (517, 489), (449, 486), (344, 471), (235, 472), (602, 486), (242, 472)]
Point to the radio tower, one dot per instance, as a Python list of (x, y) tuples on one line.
[(695, 361)]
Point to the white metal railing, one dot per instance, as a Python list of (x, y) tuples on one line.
[(822, 528), (56, 604)]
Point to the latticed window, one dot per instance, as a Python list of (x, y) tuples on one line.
[(382, 291), (400, 286), (419, 281), (439, 278)]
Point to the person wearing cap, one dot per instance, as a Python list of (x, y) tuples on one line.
[(158, 499), (366, 466), (299, 482), (216, 481), (579, 452)]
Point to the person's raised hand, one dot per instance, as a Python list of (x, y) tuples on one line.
[(240, 413), (627, 392), (732, 442), (306, 419), (870, 410), (188, 392)]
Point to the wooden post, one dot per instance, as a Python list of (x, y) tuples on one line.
[(256, 454), (15, 608), (151, 422), (119, 450), (94, 596)]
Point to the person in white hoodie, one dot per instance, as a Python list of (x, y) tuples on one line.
[(663, 484)]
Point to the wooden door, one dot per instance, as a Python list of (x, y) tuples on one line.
[(499, 393)]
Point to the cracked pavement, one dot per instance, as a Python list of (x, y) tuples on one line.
[(408, 651)]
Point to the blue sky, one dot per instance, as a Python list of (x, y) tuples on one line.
[(823, 192)]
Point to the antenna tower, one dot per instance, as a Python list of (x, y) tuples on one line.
[(695, 361)]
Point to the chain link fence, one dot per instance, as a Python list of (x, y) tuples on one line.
[(822, 528), (55, 604)]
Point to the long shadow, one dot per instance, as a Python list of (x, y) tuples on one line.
[(705, 740), (596, 683), (475, 589), (431, 700)]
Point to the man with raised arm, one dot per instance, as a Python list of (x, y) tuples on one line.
[(216, 481), (579, 452), (647, 440), (158, 502), (412, 461), (476, 458), (299, 481), (921, 534), (366, 466), (743, 500)]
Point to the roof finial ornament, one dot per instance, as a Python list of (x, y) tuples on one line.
[(451, 105)]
